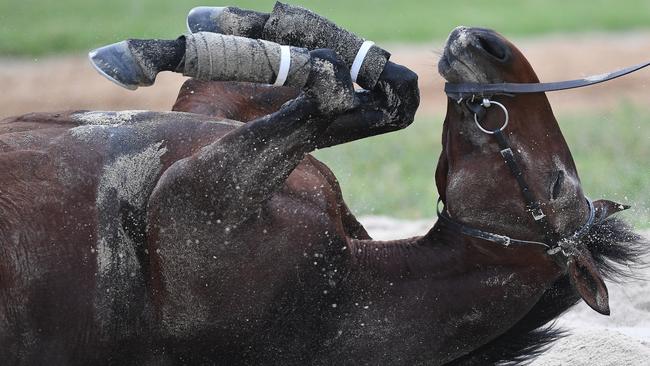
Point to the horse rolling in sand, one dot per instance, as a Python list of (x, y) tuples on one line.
[(180, 238)]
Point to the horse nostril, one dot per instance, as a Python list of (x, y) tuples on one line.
[(556, 188), (493, 46)]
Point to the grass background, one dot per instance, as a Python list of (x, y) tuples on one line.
[(391, 174), (36, 27)]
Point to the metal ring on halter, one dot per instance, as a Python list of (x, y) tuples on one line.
[(487, 103)]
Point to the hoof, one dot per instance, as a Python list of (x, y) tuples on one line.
[(118, 64), (204, 19)]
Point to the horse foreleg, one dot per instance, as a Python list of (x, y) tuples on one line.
[(201, 204), (233, 176), (390, 106)]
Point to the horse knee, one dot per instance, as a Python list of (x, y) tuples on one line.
[(329, 83)]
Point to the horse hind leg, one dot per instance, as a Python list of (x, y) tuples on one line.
[(392, 97), (209, 196), (296, 26)]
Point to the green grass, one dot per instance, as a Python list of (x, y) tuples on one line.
[(393, 174), (36, 27)]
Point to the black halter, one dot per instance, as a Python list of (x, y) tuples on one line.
[(508, 241), (552, 240), (477, 103)]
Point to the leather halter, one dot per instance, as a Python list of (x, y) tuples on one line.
[(478, 104), (508, 241)]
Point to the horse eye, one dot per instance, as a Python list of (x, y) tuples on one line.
[(557, 184)]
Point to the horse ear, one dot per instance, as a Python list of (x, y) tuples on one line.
[(606, 208), (588, 282)]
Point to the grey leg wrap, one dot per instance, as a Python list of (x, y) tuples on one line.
[(295, 25), (212, 56), (240, 22)]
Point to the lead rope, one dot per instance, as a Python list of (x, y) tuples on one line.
[(463, 90)]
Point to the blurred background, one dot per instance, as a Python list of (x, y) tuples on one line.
[(43, 67)]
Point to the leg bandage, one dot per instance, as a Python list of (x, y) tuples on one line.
[(295, 25), (212, 56)]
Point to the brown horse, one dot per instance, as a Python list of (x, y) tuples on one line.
[(179, 238)]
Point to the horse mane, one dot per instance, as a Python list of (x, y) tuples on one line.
[(615, 249)]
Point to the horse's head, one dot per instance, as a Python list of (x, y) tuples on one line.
[(475, 184)]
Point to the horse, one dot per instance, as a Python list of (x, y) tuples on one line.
[(610, 241), (142, 237)]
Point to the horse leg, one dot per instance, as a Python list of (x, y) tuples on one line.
[(293, 25), (236, 174), (202, 204), (390, 106)]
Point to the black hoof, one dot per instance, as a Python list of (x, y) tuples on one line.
[(204, 19), (118, 64)]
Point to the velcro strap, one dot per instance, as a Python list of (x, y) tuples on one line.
[(285, 65), (358, 60)]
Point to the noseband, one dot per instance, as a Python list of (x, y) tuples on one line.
[(507, 241), (477, 100)]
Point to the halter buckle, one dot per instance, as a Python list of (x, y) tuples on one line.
[(555, 250), (537, 213)]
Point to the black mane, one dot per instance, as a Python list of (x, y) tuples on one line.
[(616, 249)]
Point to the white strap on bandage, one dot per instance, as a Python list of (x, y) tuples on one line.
[(285, 65), (358, 60)]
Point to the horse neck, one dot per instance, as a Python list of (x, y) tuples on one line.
[(442, 253), (442, 290), (429, 255)]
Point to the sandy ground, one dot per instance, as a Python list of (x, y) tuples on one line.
[(69, 82), (623, 338)]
